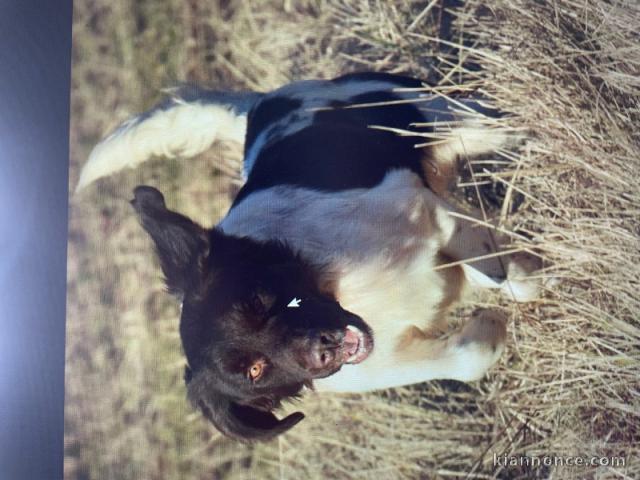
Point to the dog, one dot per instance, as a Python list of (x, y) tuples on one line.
[(340, 255)]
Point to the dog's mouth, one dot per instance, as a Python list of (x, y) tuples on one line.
[(356, 345)]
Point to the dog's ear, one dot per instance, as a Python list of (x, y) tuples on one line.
[(246, 423), (181, 244)]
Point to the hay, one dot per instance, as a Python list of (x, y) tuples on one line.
[(569, 381)]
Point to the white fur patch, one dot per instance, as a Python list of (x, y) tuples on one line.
[(184, 129), (470, 139), (446, 223), (471, 361), (519, 286), (516, 287)]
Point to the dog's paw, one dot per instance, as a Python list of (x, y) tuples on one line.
[(485, 326), (522, 285), (480, 344)]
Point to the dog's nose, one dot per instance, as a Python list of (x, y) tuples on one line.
[(321, 358), (323, 350)]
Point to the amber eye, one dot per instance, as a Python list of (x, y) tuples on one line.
[(255, 371)]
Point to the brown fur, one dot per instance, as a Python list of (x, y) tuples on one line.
[(454, 282), (441, 174)]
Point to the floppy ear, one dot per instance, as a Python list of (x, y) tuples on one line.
[(181, 244), (246, 423), (241, 422)]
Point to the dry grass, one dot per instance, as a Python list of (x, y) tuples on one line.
[(569, 381)]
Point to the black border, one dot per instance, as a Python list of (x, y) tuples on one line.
[(35, 59)]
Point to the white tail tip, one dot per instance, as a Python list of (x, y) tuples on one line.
[(183, 129)]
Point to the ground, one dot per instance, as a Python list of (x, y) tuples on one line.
[(568, 384)]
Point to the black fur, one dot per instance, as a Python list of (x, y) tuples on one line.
[(265, 113), (336, 157)]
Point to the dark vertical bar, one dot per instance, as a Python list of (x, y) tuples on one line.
[(35, 47)]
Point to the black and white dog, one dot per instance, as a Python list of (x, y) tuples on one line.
[(330, 270)]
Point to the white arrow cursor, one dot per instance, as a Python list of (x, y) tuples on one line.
[(295, 303)]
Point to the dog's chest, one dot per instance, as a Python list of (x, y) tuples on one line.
[(392, 296)]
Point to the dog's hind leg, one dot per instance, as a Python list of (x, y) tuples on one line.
[(185, 124)]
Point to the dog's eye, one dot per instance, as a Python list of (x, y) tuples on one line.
[(255, 370)]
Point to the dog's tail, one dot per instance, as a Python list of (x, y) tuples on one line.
[(185, 124)]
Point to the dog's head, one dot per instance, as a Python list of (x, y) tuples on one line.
[(256, 323)]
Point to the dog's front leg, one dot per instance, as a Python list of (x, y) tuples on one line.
[(465, 356)]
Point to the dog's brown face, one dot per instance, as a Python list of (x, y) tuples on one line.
[(256, 326)]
